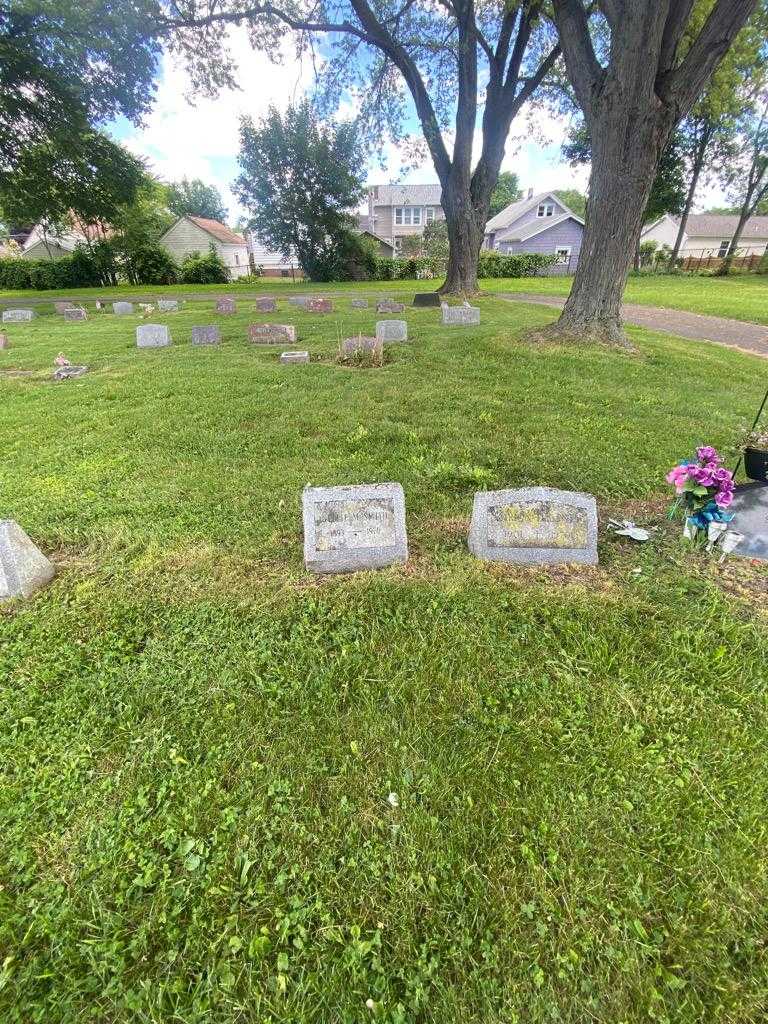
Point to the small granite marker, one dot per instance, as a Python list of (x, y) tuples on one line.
[(62, 307), (460, 316), (226, 305), (534, 526), (23, 567), (750, 508), (359, 303), (75, 313), (392, 330), (122, 308), (350, 528), (152, 336), (266, 304), (294, 357), (320, 306), (17, 316), (168, 305), (271, 334), (359, 345), (389, 306), (69, 372), (302, 301), (426, 299), (3, 339), (206, 335)]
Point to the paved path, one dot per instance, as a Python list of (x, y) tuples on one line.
[(734, 333)]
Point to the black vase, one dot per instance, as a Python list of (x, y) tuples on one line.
[(756, 464)]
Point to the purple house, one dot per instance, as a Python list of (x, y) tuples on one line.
[(541, 223)]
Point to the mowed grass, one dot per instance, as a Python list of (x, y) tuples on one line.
[(199, 741), (738, 296)]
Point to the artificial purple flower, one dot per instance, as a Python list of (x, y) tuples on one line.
[(723, 498), (722, 474), (708, 454), (701, 475)]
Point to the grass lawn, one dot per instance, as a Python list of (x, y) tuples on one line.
[(740, 296), (199, 740)]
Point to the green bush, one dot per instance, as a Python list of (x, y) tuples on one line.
[(521, 264), (152, 264), (76, 271), (207, 269)]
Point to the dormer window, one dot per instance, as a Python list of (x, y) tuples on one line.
[(546, 210)]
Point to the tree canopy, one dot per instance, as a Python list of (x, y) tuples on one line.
[(196, 198), (507, 191)]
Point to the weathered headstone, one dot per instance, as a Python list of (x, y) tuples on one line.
[(168, 305), (426, 299), (320, 306), (294, 357), (534, 526), (271, 334), (206, 335), (460, 316), (17, 316), (62, 307), (152, 336), (122, 308), (23, 567), (389, 306), (360, 345), (392, 330), (750, 508), (359, 303), (358, 527), (226, 305), (76, 313), (69, 372), (3, 339), (302, 301), (266, 304)]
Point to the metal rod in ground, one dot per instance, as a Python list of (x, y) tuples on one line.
[(757, 420)]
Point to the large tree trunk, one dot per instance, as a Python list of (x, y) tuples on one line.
[(466, 227), (625, 153)]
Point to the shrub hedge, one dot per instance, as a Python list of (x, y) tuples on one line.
[(491, 264)]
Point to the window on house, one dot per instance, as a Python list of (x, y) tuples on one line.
[(723, 250), (545, 210), (563, 253), (429, 215), (408, 216), (237, 260)]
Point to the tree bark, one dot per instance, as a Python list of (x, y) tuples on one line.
[(466, 227)]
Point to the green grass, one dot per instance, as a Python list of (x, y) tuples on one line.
[(740, 296), (198, 740)]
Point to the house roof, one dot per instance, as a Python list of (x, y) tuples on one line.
[(535, 227), (70, 237), (405, 195), (516, 210), (217, 229), (712, 225)]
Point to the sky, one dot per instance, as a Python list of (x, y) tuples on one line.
[(192, 137)]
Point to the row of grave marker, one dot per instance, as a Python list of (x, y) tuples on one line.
[(349, 528)]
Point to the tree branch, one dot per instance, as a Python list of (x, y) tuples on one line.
[(584, 69), (677, 19)]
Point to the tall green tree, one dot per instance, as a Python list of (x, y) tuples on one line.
[(196, 198), (574, 200), (440, 54), (750, 175), (507, 191), (301, 181)]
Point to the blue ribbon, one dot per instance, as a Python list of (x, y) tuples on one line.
[(711, 513)]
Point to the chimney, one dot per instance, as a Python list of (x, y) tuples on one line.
[(530, 193)]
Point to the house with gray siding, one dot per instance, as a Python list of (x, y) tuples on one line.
[(538, 224), (396, 211), (197, 234)]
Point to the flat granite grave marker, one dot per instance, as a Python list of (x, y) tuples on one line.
[(320, 306), (392, 330), (357, 527), (271, 334), (302, 301), (361, 344), (460, 316), (426, 299), (389, 306), (152, 336), (266, 304), (23, 567), (359, 304), (3, 339), (750, 509), (206, 335), (122, 308), (534, 526), (168, 305), (62, 307), (294, 357), (69, 372), (226, 305), (17, 316), (75, 313)]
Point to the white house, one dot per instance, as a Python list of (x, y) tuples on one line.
[(272, 263), (709, 234), (46, 243), (197, 234)]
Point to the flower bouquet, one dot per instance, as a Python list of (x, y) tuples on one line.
[(704, 491)]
